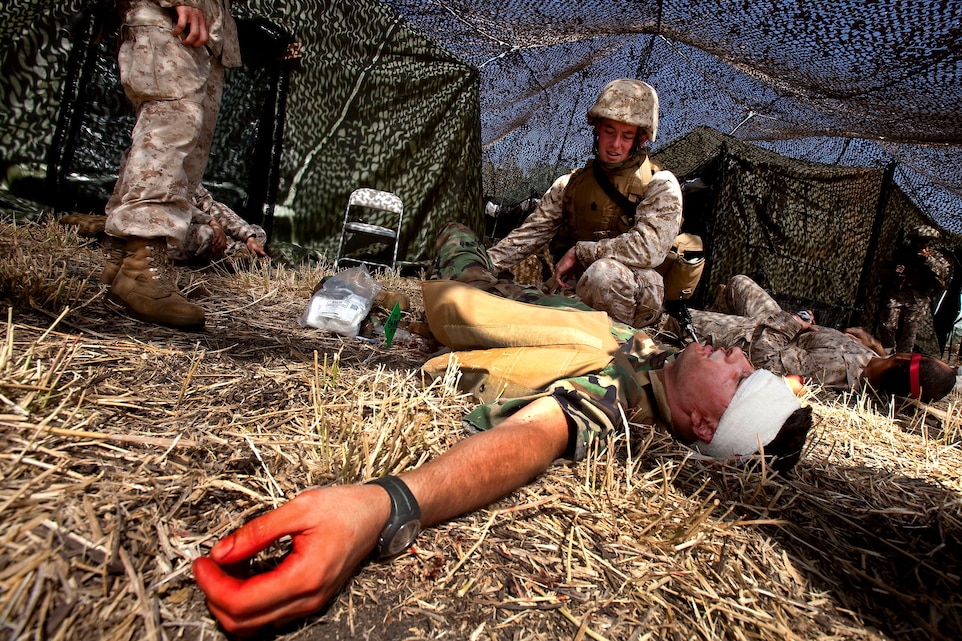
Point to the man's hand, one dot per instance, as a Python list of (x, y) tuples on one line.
[(564, 267), (256, 249), (218, 242), (332, 530), (194, 22)]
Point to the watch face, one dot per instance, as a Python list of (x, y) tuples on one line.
[(403, 538)]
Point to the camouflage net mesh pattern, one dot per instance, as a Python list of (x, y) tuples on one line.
[(845, 83)]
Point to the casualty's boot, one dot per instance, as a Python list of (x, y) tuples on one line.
[(142, 289), (88, 225), (115, 249)]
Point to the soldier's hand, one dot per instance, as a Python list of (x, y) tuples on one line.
[(218, 243), (331, 529), (256, 249), (564, 267), (192, 22)]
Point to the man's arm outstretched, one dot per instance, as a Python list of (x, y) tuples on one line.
[(334, 528)]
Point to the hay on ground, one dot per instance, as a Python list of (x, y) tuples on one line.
[(129, 449)]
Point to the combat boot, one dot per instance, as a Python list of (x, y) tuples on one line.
[(115, 248), (88, 225), (141, 287)]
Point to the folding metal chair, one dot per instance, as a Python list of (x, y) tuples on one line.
[(371, 229)]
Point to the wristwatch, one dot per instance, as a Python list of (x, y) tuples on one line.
[(405, 522)]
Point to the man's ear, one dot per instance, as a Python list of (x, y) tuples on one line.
[(703, 427)]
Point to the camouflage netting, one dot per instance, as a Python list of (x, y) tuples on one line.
[(371, 102), (411, 96), (810, 233)]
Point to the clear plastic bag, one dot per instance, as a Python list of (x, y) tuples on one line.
[(342, 303)]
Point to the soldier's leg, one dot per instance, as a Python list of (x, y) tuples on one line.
[(911, 321), (744, 297), (149, 208), (167, 84), (458, 250), (629, 296), (461, 256), (888, 324)]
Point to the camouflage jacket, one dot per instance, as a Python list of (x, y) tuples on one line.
[(775, 342), (627, 389), (235, 227), (643, 246), (910, 274)]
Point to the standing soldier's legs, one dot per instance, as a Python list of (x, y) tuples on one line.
[(150, 198), (150, 208), (911, 321), (889, 324)]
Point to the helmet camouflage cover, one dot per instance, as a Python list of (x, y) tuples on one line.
[(924, 232), (630, 101)]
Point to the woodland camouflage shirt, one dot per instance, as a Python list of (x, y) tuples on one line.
[(629, 388)]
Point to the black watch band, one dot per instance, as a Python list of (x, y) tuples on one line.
[(404, 523)]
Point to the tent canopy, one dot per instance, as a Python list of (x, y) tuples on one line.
[(854, 83)]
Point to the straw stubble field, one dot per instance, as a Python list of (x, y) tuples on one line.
[(129, 449)]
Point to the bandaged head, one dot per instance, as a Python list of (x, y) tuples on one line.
[(754, 417)]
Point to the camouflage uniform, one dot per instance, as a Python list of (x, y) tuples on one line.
[(196, 245), (911, 284), (745, 316), (617, 272), (593, 402), (176, 92), (460, 255)]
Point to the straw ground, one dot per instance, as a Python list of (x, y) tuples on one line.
[(127, 450)]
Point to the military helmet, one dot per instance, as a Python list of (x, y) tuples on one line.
[(630, 101), (924, 232)]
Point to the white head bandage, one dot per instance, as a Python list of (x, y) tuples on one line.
[(754, 417)]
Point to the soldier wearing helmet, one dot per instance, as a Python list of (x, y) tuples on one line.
[(609, 224), (916, 272)]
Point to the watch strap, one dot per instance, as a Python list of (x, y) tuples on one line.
[(404, 509)]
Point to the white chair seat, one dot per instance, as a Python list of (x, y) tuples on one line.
[(365, 205)]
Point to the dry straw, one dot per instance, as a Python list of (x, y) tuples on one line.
[(129, 449)]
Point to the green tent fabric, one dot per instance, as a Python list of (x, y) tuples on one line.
[(371, 103), (814, 235)]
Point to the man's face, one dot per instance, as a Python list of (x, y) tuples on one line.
[(615, 140), (705, 380)]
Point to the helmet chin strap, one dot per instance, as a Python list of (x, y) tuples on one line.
[(915, 389)]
